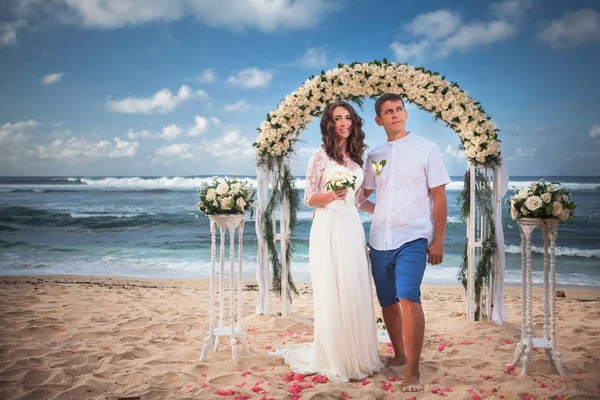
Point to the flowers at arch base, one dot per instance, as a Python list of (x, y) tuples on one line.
[(225, 196), (541, 200)]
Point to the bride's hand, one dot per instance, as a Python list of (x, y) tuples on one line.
[(339, 194)]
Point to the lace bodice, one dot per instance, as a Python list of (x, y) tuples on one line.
[(320, 169)]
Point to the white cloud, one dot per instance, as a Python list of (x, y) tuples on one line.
[(521, 152), (178, 150), (404, 52), (200, 126), (8, 32), (51, 79), (161, 102), (171, 132), (206, 76), (14, 134), (265, 15), (241, 105), (314, 57), (116, 13), (475, 35), (123, 148), (144, 134), (215, 121), (230, 147), (453, 152), (511, 9), (434, 25), (573, 29), (443, 32), (251, 78), (83, 149), (62, 133), (595, 132)]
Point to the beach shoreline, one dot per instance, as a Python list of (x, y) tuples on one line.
[(107, 337)]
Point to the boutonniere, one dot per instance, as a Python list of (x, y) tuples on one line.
[(377, 166)]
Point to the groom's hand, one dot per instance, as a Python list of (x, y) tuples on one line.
[(435, 253)]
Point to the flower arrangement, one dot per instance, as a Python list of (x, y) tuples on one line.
[(541, 200), (341, 179), (225, 196), (428, 90)]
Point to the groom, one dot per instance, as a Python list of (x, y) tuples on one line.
[(410, 177)]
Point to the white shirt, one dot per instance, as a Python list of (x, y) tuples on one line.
[(403, 210)]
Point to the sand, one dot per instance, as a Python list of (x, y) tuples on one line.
[(82, 337)]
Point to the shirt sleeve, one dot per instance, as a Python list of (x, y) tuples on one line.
[(437, 175), (316, 165), (369, 176)]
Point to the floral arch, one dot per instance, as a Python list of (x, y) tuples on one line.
[(482, 269)]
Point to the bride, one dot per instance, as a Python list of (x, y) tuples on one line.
[(345, 336)]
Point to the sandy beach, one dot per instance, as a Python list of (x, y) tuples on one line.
[(88, 337)]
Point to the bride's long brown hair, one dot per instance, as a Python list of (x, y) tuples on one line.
[(355, 145)]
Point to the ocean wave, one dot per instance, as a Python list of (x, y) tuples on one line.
[(537, 277), (19, 216), (560, 251), (193, 183), (154, 183), (106, 215)]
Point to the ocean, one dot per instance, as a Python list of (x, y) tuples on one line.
[(147, 227)]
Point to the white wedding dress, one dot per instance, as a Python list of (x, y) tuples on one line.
[(345, 335)]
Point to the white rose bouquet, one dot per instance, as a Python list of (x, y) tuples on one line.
[(541, 200), (225, 196), (341, 179)]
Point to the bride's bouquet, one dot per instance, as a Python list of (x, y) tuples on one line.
[(341, 179)]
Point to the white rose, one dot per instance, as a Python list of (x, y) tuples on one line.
[(226, 203), (564, 215), (533, 203), (264, 126), (557, 208), (240, 203), (524, 211), (523, 193), (211, 194), (565, 198), (236, 187), (222, 188), (513, 212), (546, 197)]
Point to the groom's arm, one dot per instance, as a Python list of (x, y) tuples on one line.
[(362, 203), (435, 250)]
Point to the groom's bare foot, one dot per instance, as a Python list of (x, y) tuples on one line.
[(396, 362), (411, 384)]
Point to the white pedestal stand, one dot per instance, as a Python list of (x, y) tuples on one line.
[(549, 228), (233, 223)]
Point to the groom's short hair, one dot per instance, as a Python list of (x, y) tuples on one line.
[(386, 97)]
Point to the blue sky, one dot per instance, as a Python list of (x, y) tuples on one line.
[(152, 87)]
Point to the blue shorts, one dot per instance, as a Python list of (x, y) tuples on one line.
[(398, 273)]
